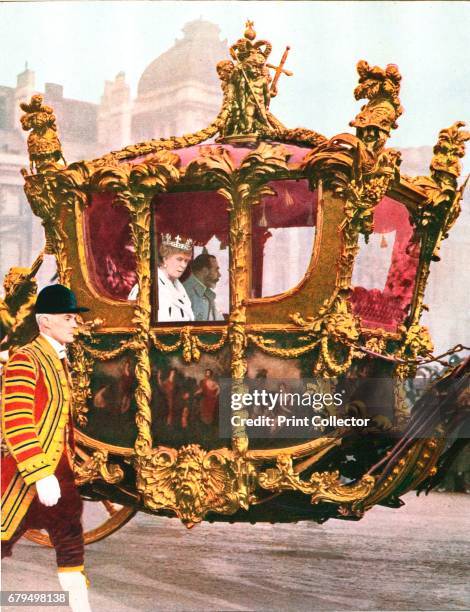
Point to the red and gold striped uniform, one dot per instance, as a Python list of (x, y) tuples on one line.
[(35, 419)]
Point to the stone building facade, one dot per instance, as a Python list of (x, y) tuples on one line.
[(179, 92)]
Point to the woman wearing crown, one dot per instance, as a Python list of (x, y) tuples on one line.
[(173, 301)]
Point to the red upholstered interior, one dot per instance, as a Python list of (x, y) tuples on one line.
[(198, 215), (110, 258), (387, 308), (202, 215)]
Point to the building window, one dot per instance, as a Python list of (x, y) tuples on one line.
[(3, 115)]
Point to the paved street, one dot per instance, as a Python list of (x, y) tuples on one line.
[(415, 558)]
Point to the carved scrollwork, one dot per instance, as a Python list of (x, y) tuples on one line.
[(97, 467), (322, 486)]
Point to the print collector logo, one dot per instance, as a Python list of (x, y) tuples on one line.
[(284, 421), (280, 413)]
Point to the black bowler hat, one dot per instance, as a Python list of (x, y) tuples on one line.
[(57, 299)]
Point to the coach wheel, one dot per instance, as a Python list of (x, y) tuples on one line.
[(109, 516)]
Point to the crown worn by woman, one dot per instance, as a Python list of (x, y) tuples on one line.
[(173, 301)]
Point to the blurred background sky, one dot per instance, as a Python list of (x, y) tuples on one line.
[(81, 44)]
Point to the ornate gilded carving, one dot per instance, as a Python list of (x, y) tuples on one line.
[(376, 345), (322, 486), (82, 367), (441, 208), (416, 342), (144, 181), (172, 143), (360, 171), (359, 168), (192, 482), (248, 88), (267, 346), (381, 87), (139, 207), (441, 187), (190, 350), (45, 154), (99, 355), (242, 188), (212, 347), (191, 344), (338, 330), (97, 467), (163, 346), (44, 148), (149, 177), (81, 373), (436, 216), (414, 466), (134, 186), (39, 190), (17, 324)]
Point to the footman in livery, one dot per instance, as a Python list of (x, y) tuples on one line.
[(38, 488)]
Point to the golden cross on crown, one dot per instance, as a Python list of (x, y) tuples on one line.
[(178, 242)]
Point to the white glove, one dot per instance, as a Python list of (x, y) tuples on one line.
[(48, 489)]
